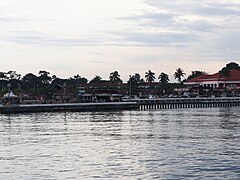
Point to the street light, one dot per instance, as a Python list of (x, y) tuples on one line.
[(130, 86), (64, 91)]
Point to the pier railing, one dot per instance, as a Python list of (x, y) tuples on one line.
[(170, 103)]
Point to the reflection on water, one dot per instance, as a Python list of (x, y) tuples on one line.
[(164, 144)]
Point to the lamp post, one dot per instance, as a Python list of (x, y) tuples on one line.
[(130, 86), (64, 91)]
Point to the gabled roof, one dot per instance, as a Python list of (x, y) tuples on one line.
[(234, 76)]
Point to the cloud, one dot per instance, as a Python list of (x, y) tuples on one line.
[(200, 25), (198, 7), (11, 18), (40, 39), (157, 17), (218, 10), (156, 39), (172, 22)]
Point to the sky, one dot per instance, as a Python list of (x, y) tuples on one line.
[(97, 37)]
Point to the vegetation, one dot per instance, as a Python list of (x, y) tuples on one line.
[(232, 65), (179, 74), (133, 83), (115, 77), (45, 84), (163, 78), (196, 74), (150, 76)]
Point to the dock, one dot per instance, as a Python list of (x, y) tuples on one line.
[(133, 104), (75, 107), (175, 103)]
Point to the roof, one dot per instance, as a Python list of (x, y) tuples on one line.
[(234, 76)]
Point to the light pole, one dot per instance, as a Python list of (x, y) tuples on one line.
[(130, 86), (64, 91)]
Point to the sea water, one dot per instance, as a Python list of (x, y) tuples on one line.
[(157, 144)]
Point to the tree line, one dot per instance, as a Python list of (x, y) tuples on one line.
[(44, 82)]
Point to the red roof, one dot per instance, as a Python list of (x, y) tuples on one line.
[(234, 76)]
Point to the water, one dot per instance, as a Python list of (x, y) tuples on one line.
[(158, 144)]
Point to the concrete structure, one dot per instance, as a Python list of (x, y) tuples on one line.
[(20, 108)]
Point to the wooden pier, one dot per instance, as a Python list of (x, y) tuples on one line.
[(174, 103)]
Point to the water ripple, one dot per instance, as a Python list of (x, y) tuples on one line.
[(164, 144)]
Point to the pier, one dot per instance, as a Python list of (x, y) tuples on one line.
[(174, 103), (134, 104), (108, 106)]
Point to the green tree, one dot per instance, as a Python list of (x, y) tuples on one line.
[(115, 77), (13, 75), (225, 73), (3, 76), (44, 77), (233, 65), (163, 78), (150, 76), (196, 74), (133, 83), (30, 81), (45, 80), (179, 74), (96, 79)]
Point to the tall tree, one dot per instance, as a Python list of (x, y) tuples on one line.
[(150, 76), (30, 81), (44, 77), (96, 79), (133, 83), (115, 77), (232, 65), (135, 79), (225, 73), (196, 74), (179, 74), (13, 75), (3, 76), (163, 78)]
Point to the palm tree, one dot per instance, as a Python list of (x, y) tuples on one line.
[(115, 77), (76, 78), (150, 76), (133, 82), (163, 78), (179, 74), (96, 79)]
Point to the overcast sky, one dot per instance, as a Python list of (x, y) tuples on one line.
[(96, 37)]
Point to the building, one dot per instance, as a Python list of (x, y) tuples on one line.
[(216, 81)]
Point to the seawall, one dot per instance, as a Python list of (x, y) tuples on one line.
[(20, 108)]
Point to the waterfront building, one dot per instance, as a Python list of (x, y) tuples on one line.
[(216, 81)]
